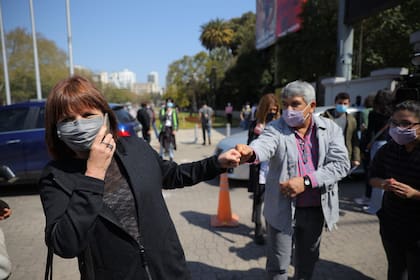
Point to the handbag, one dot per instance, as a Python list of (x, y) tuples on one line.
[(49, 265)]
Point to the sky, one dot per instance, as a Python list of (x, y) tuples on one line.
[(138, 35)]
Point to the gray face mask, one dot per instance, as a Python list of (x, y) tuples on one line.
[(79, 135)]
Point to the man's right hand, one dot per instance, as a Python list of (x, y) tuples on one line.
[(246, 152)]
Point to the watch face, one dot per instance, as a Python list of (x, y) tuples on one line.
[(306, 182)]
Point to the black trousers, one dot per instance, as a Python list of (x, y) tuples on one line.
[(403, 256)]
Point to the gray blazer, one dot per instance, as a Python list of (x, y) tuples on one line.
[(277, 144)]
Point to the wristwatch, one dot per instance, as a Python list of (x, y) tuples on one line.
[(307, 182)]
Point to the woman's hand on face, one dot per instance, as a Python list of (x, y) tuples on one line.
[(229, 159), (100, 155)]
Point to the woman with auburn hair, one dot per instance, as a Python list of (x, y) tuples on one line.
[(102, 195), (267, 110)]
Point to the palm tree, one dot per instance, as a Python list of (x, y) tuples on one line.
[(215, 34)]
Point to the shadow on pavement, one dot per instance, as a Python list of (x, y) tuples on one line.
[(203, 220), (203, 271), (19, 189), (250, 251), (324, 270), (328, 270)]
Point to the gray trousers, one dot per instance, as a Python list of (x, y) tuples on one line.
[(309, 223)]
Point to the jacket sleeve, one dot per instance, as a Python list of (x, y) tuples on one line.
[(265, 146), (70, 211), (336, 164), (188, 174)]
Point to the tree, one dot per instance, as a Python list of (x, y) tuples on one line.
[(216, 33), (310, 53), (385, 38), (19, 50), (117, 95), (187, 80)]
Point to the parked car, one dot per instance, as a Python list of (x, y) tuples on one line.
[(127, 124), (242, 171), (22, 137)]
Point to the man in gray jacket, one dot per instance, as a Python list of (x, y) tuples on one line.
[(307, 157)]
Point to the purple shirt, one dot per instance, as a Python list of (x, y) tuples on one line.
[(307, 162)]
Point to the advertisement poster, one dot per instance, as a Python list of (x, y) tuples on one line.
[(265, 26), (288, 19)]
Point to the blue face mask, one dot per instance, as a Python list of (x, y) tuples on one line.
[(340, 108)]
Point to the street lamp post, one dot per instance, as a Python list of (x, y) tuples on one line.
[(5, 69), (69, 39), (37, 77)]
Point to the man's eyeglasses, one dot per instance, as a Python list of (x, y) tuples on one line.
[(402, 124)]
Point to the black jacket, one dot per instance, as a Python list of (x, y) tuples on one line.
[(144, 118), (79, 224)]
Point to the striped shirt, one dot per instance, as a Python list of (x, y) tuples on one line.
[(307, 162), (393, 161)]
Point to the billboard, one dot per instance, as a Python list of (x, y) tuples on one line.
[(265, 26), (276, 18), (288, 19)]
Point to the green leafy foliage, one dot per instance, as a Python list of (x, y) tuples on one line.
[(20, 58)]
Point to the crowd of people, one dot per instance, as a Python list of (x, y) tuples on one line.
[(102, 198)]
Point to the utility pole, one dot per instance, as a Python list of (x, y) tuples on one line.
[(344, 44), (69, 38), (3, 49), (38, 80)]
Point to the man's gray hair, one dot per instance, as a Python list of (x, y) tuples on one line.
[(299, 88)]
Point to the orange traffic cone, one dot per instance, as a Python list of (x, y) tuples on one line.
[(224, 217)]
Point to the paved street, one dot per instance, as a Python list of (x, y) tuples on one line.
[(354, 251)]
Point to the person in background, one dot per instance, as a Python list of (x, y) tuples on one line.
[(168, 128), (228, 113), (144, 119), (152, 116), (205, 115), (348, 125), (395, 169), (267, 110), (307, 157), (130, 109), (367, 108), (102, 194), (5, 264), (253, 112), (364, 154), (245, 116), (377, 135)]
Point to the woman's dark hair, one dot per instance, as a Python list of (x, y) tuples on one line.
[(383, 102), (72, 95), (368, 102), (342, 96), (409, 105)]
